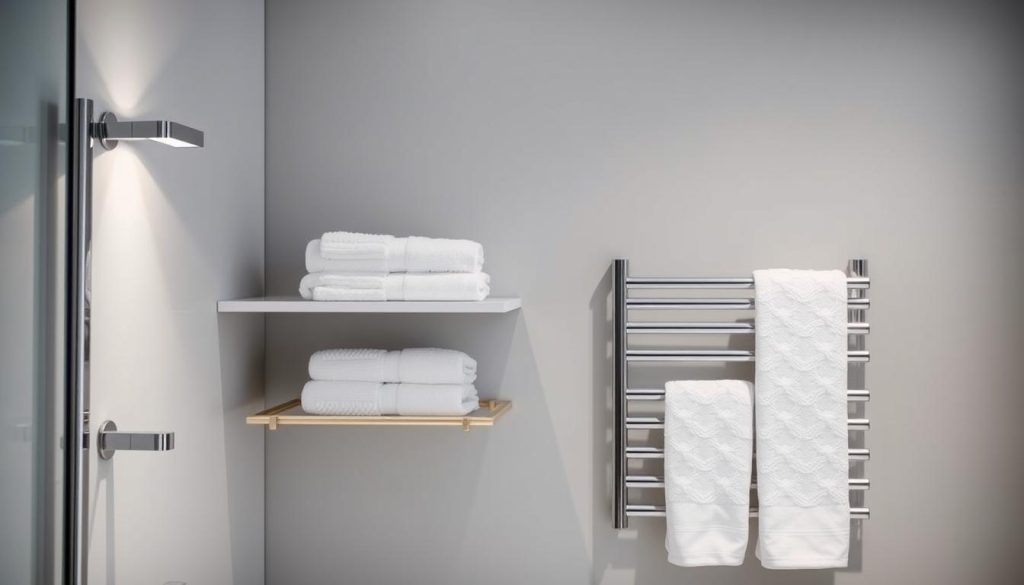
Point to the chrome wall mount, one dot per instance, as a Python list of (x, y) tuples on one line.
[(624, 452), (83, 130)]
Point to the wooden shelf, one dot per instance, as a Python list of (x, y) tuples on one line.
[(300, 305), (290, 413)]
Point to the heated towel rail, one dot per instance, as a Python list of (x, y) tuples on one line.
[(857, 285)]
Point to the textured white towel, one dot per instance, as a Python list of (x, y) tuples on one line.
[(366, 262), (708, 452), (402, 287), (315, 279), (355, 252), (800, 377), (414, 365), (375, 399)]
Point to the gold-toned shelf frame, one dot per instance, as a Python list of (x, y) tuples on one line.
[(281, 415)]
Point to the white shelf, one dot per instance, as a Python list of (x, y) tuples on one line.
[(300, 305)]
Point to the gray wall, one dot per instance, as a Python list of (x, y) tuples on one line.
[(175, 231), (696, 138)]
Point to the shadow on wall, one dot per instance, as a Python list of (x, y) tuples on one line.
[(103, 492), (637, 554), (240, 339)]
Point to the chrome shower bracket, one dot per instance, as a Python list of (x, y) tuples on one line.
[(106, 118)]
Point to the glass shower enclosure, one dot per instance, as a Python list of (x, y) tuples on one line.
[(36, 80)]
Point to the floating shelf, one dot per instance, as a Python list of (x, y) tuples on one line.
[(300, 305), (290, 413)]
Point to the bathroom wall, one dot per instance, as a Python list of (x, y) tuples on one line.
[(176, 230), (695, 138)]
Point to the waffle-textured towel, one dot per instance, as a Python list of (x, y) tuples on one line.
[(355, 252), (800, 399), (315, 279), (375, 399), (708, 451), (371, 259), (398, 287), (415, 365)]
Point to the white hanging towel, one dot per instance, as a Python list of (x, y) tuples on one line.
[(377, 399), (398, 287), (414, 365), (800, 399), (708, 451), (355, 252)]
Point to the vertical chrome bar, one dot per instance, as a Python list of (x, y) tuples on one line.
[(857, 267), (76, 389), (620, 271)]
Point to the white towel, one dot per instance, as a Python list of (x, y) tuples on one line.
[(414, 365), (800, 376), (400, 287), (355, 252), (315, 279), (376, 399), (365, 262), (708, 452)]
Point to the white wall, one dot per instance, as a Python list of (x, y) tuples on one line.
[(176, 230), (696, 138)]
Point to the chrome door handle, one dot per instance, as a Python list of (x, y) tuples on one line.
[(111, 440)]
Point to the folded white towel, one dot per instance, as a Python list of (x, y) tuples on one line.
[(708, 451), (315, 279), (414, 365), (398, 287), (800, 374), (365, 263), (376, 399), (355, 252)]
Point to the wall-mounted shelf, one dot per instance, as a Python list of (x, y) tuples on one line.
[(300, 305), (290, 413)]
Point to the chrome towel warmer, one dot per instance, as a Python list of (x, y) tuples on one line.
[(857, 284)]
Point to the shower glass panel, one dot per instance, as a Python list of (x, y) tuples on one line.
[(34, 86)]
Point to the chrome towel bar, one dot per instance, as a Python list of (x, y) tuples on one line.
[(716, 328), (724, 304), (712, 355), (659, 394), (656, 481), (747, 282), (644, 452), (652, 511), (653, 422)]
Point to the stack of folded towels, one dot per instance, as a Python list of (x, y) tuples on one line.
[(375, 382), (348, 266)]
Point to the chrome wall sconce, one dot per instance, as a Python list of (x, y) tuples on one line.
[(109, 130)]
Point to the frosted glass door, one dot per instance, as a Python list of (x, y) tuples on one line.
[(33, 109)]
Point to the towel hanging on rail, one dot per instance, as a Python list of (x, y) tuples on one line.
[(800, 396), (708, 450)]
